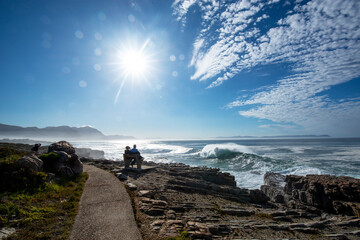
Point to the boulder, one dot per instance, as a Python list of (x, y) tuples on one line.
[(121, 176), (67, 164), (75, 164), (31, 162), (62, 146), (132, 186)]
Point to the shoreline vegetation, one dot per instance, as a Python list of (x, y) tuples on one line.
[(176, 201), (36, 205)]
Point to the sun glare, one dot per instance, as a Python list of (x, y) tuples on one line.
[(134, 63)]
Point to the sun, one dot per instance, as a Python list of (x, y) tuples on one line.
[(134, 63)]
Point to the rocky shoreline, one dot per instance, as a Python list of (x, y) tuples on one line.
[(204, 202)]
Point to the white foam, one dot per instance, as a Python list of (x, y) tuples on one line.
[(248, 180), (214, 150), (173, 149), (303, 171)]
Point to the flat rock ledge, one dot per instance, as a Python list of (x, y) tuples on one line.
[(171, 198)]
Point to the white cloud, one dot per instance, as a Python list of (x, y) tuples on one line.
[(181, 7), (319, 40)]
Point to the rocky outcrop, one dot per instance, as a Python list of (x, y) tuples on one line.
[(212, 175), (339, 195), (175, 199), (67, 163), (273, 187), (61, 146), (209, 181), (31, 162)]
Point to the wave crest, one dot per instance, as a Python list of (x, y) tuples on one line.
[(224, 151)]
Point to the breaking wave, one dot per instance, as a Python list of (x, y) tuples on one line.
[(223, 151)]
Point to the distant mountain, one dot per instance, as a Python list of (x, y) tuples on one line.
[(282, 136), (61, 132), (117, 137)]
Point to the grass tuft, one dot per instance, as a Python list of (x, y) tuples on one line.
[(183, 235), (47, 213)]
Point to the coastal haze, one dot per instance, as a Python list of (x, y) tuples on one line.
[(254, 86), (56, 133)]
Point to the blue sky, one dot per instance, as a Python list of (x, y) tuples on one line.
[(206, 68)]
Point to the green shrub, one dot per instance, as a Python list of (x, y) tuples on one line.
[(7, 153), (46, 213), (183, 235), (3, 221), (48, 160), (14, 178)]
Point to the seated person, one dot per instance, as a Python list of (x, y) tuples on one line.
[(134, 150), (132, 156), (127, 150)]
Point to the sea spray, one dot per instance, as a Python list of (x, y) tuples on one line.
[(248, 160), (224, 151)]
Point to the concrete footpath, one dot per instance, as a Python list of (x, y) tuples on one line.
[(105, 210)]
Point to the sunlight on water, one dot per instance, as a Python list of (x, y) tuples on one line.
[(248, 161)]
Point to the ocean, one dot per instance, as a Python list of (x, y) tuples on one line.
[(248, 159)]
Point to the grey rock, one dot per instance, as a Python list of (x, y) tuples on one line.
[(281, 227), (153, 207), (319, 224), (258, 196), (274, 186), (355, 222), (340, 195), (6, 232), (297, 225), (31, 162), (76, 164), (132, 186), (237, 212), (145, 193), (62, 146), (304, 229), (121, 176), (157, 224), (171, 214), (356, 232), (337, 236), (68, 164)]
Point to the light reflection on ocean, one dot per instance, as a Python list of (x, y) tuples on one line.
[(248, 160)]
